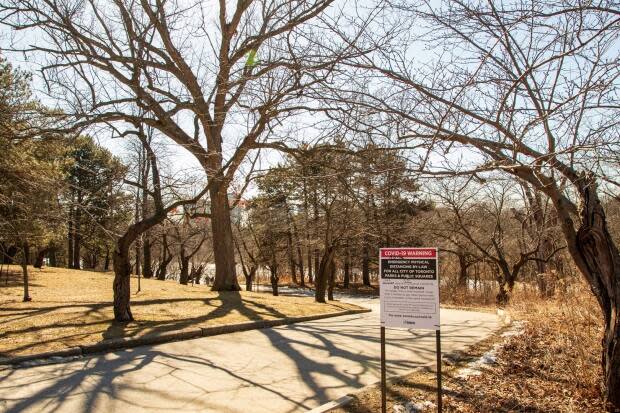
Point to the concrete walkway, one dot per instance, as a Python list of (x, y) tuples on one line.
[(285, 369)]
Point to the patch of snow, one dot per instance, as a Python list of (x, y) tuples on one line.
[(516, 330), (44, 362), (414, 407), (419, 407), (488, 359), (468, 372)]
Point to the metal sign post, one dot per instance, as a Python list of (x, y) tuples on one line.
[(439, 387), (383, 384), (409, 296)]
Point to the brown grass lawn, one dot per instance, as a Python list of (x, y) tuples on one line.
[(73, 307)]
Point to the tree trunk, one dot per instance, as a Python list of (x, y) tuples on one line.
[(147, 269), (320, 278), (249, 278), (463, 275), (24, 263), (137, 253), (598, 259), (70, 237), (317, 260), (309, 256), (184, 277), (38, 262), (332, 281), (53, 257), (502, 296), (300, 257), (223, 245), (196, 274), (122, 279), (273, 271), (539, 230), (291, 256), (347, 268), (306, 230), (106, 262), (162, 268), (77, 236), (365, 265)]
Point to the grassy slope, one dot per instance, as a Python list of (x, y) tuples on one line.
[(72, 307)]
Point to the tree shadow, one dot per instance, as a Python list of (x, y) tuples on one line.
[(223, 304), (325, 358)]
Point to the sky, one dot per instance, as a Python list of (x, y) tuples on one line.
[(196, 47)]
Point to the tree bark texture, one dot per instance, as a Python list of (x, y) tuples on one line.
[(223, 245), (122, 278), (598, 259)]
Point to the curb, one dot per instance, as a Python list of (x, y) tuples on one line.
[(170, 336), (343, 401)]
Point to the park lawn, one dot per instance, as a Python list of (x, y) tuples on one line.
[(74, 307)]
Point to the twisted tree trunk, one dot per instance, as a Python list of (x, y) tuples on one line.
[(599, 260)]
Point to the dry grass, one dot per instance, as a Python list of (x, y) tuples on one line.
[(72, 307), (552, 367)]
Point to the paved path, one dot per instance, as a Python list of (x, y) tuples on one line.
[(286, 369)]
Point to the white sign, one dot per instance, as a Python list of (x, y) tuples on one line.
[(409, 288)]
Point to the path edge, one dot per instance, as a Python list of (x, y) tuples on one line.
[(349, 397), (189, 333)]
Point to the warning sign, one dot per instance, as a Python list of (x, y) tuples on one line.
[(409, 288)]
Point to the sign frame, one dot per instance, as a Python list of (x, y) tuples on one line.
[(401, 272)]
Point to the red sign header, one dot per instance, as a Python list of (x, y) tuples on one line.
[(408, 253)]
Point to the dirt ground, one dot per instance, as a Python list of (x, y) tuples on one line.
[(73, 307)]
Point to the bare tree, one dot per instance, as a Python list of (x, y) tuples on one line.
[(526, 88), (161, 208), (190, 237), (483, 219), (215, 81)]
